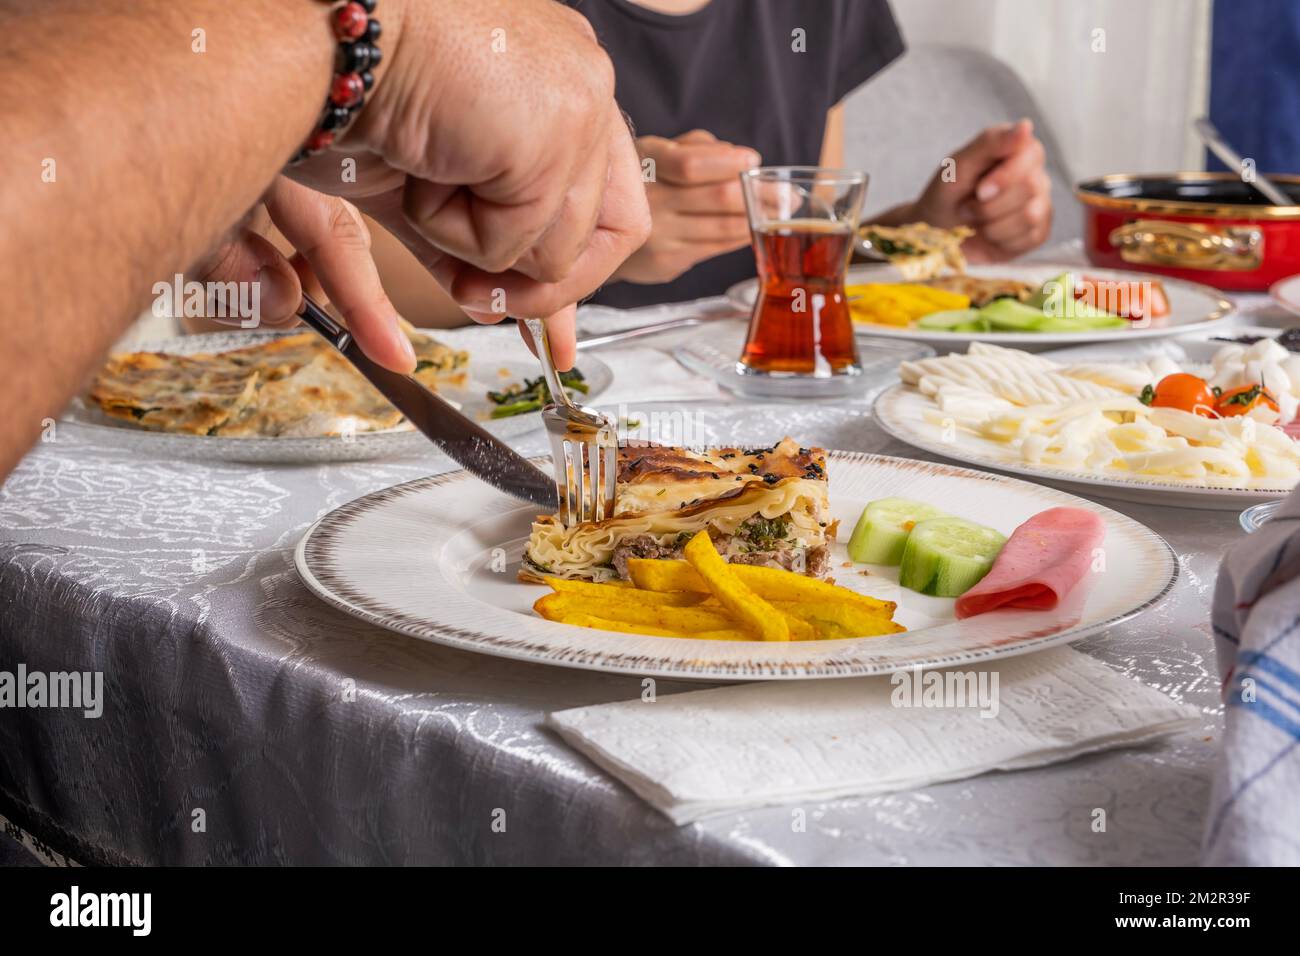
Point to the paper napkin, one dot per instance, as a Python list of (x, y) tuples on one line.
[(706, 752)]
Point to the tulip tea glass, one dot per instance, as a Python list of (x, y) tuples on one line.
[(803, 221)]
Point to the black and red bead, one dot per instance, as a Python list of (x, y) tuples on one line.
[(350, 21), (348, 89), (319, 140), (356, 57), (336, 117)]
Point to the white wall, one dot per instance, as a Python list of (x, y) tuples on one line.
[(1126, 108)]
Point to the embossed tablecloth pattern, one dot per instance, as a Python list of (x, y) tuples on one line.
[(245, 721)]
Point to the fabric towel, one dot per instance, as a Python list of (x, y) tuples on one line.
[(1255, 801), (713, 751)]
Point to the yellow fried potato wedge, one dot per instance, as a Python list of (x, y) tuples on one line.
[(655, 574), (677, 617), (684, 619), (800, 630), (753, 614), (835, 619), (772, 584), (582, 619), (625, 627), (625, 592), (778, 585)]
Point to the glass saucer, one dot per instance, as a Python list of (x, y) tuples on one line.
[(712, 353)]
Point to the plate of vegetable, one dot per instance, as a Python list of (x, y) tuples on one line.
[(1029, 306), (945, 566)]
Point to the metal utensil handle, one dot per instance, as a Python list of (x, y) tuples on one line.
[(537, 329), (1211, 137), (609, 338)]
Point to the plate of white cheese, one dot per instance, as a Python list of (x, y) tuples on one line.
[(1098, 417)]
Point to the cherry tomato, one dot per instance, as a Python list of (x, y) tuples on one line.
[(1239, 401), (1184, 391)]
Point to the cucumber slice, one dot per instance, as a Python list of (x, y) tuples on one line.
[(947, 557), (1080, 324), (1054, 294), (882, 530), (947, 319), (1008, 315)]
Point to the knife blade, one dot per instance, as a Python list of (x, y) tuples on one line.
[(474, 448)]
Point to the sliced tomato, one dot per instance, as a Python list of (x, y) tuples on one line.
[(1239, 401), (1182, 391), (1138, 299)]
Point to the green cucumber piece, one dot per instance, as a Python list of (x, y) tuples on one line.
[(883, 528), (947, 319), (947, 557), (1054, 323), (1053, 294), (1012, 316)]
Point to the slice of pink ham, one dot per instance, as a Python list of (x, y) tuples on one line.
[(1040, 564)]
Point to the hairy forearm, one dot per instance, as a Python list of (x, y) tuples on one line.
[(128, 154)]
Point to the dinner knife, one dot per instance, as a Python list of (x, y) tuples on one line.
[(474, 448)]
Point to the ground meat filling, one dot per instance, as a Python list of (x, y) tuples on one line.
[(641, 546), (816, 560)]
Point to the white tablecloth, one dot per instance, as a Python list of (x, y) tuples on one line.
[(296, 734)]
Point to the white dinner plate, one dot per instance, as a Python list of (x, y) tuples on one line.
[(900, 410), (1192, 307), (1192, 350), (436, 559), (1286, 293), (507, 364)]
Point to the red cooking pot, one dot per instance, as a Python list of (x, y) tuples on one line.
[(1206, 227)]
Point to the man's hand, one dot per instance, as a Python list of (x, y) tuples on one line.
[(999, 188), (332, 264), (493, 148), (696, 207)]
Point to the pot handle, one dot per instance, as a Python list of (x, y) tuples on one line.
[(1189, 245)]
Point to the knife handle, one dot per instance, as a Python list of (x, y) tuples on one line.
[(324, 323)]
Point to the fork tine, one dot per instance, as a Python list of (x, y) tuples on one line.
[(597, 481), (610, 456), (568, 518), (611, 479), (581, 478), (593, 477)]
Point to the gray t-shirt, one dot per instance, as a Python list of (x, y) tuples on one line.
[(759, 73)]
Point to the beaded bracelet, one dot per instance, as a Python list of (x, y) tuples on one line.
[(358, 54)]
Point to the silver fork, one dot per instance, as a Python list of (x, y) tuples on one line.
[(584, 445)]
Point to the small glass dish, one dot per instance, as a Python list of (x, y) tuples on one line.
[(1256, 516), (711, 354)]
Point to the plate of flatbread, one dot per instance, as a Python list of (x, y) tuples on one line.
[(290, 397)]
